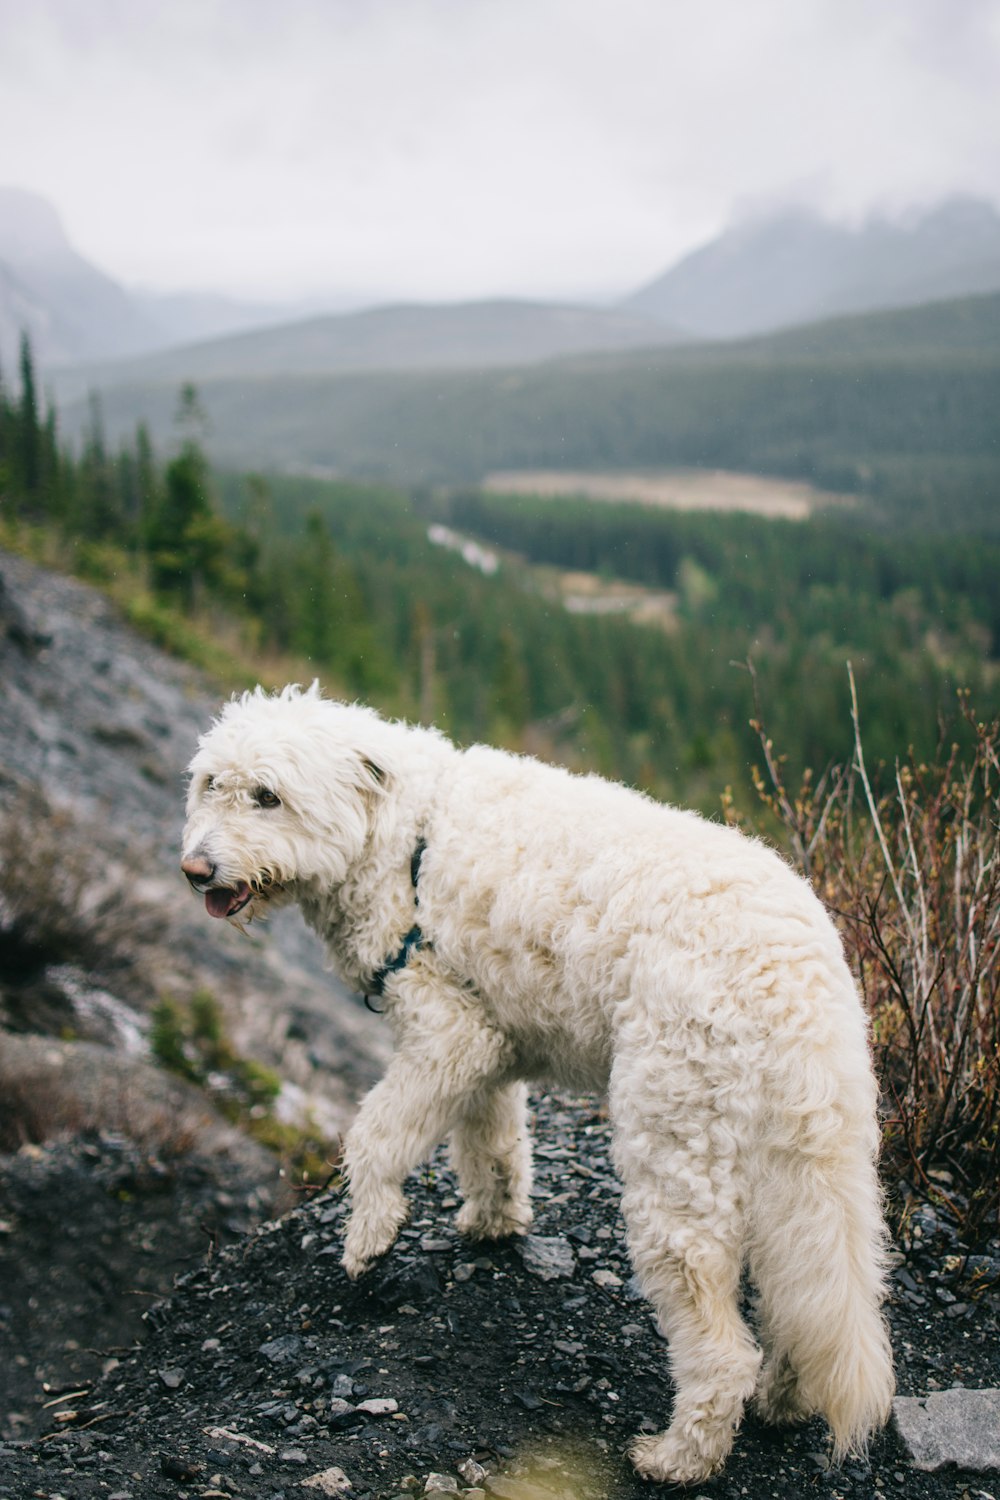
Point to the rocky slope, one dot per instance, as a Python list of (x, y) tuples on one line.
[(130, 1173), (96, 729)]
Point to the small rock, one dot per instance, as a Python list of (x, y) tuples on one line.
[(293, 1456), (172, 1378), (606, 1279), (340, 1414), (956, 1426), (547, 1257), (408, 1283), (432, 1246), (471, 1472), (378, 1406), (175, 1467), (343, 1387), (441, 1484), (464, 1272), (279, 1350), (332, 1481)]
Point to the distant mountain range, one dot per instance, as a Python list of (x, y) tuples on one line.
[(73, 312), (794, 267), (413, 336), (778, 272), (878, 399)]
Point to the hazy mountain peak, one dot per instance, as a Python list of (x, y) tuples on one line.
[(29, 227), (791, 265)]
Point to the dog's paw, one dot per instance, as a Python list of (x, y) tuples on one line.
[(356, 1265), (368, 1238), (493, 1221), (667, 1459), (776, 1399)]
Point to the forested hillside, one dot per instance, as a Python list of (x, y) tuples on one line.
[(292, 576), (900, 408)]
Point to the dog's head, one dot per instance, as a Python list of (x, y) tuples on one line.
[(283, 792)]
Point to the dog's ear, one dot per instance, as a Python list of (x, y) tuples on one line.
[(375, 773)]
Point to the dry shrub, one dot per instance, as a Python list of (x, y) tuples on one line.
[(49, 1100), (908, 862), (57, 902)]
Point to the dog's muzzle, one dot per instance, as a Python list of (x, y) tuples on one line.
[(220, 900)]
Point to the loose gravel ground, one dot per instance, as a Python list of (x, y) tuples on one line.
[(514, 1370)]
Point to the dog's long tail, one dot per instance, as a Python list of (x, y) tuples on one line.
[(818, 1251)]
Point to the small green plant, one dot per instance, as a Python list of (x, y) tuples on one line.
[(191, 1040)]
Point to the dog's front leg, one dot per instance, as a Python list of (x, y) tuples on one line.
[(445, 1055), (491, 1152)]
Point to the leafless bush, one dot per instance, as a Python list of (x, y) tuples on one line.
[(64, 1090), (57, 903), (909, 864)]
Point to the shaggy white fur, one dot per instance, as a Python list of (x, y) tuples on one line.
[(578, 933)]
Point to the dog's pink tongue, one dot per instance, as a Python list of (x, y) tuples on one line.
[(220, 902)]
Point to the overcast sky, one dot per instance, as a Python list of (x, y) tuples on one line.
[(454, 148)]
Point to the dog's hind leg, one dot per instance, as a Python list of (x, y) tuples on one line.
[(491, 1152), (684, 1219), (446, 1057)]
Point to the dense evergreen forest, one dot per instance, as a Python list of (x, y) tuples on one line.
[(340, 579), (899, 407)]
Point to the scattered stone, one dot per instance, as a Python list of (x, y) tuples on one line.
[(280, 1350), (378, 1406), (293, 1456), (441, 1484), (433, 1246), (226, 1435), (464, 1272), (548, 1257), (173, 1466), (343, 1387), (408, 1283), (172, 1378), (956, 1426), (332, 1481), (606, 1279), (471, 1472)]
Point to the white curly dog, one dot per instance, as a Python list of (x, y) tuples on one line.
[(525, 923)]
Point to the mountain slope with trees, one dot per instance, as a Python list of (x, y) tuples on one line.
[(899, 408)]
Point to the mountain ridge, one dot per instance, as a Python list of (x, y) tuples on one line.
[(793, 267)]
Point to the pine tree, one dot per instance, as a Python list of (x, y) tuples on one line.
[(29, 432)]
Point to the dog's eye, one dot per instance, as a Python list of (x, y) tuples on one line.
[(266, 798), (210, 784)]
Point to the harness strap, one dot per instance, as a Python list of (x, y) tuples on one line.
[(414, 939)]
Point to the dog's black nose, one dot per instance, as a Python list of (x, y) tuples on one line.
[(197, 868)]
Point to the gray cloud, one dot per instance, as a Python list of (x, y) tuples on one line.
[(459, 147)]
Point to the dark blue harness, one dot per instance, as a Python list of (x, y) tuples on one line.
[(414, 939)]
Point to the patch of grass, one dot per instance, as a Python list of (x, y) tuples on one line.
[(190, 1039)]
